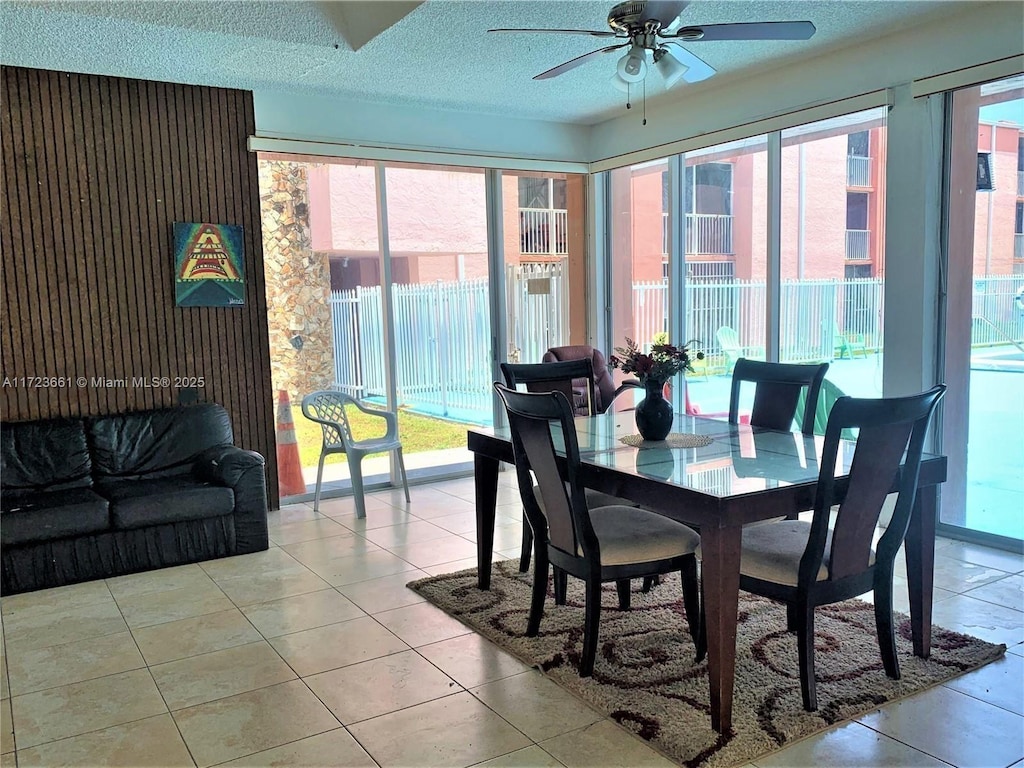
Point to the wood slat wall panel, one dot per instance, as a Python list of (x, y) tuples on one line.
[(11, 251), (97, 170)]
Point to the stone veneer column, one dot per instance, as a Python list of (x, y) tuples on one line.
[(298, 283)]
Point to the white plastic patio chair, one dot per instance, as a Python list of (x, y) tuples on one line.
[(327, 408)]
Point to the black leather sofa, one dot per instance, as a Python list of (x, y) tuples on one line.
[(84, 499)]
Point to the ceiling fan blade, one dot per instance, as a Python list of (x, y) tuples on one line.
[(573, 63), (697, 68), (752, 30), (665, 11), (590, 32)]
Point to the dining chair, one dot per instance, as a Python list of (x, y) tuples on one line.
[(573, 378), (777, 390), (327, 408), (808, 564), (615, 543), (605, 390), (561, 377)]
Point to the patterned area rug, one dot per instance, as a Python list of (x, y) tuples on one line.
[(645, 678)]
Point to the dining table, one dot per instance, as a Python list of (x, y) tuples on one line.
[(742, 475)]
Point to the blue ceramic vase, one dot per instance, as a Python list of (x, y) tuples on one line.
[(654, 413)]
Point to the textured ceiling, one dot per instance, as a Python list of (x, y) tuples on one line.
[(435, 54)]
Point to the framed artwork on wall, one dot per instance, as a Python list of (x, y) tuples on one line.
[(209, 265)]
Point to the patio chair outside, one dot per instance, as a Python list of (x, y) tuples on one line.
[(327, 408), (729, 341), (827, 397), (847, 344)]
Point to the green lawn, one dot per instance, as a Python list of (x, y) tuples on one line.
[(418, 433)]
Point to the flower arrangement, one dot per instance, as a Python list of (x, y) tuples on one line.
[(663, 361)]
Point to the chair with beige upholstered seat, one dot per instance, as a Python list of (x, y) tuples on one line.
[(565, 377), (613, 543), (807, 564)]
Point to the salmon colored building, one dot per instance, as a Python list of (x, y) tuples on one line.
[(833, 213)]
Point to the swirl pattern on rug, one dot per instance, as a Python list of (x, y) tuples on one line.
[(645, 679)]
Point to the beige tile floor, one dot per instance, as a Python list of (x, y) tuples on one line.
[(315, 653)]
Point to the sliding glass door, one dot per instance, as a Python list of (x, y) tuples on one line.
[(832, 276), (440, 313), (381, 282), (545, 269), (983, 425)]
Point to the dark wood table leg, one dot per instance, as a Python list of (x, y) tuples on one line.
[(920, 552), (720, 576), (485, 470)]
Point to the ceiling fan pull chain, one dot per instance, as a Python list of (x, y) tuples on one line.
[(645, 103), (628, 105)]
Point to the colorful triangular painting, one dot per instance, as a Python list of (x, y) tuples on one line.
[(208, 265)]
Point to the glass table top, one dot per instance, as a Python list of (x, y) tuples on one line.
[(739, 459)]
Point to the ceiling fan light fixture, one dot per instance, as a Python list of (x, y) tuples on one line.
[(671, 68), (632, 67), (619, 84)]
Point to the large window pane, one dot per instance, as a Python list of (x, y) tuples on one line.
[(637, 227), (726, 256), (984, 420), (322, 265), (437, 238), (545, 274), (833, 248), (723, 205)]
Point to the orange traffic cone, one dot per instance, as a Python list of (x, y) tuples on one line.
[(289, 467)]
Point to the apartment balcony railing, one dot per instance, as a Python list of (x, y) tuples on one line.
[(1018, 246), (858, 244), (706, 233), (1020, 183), (542, 231), (858, 171)]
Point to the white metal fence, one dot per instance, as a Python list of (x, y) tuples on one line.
[(813, 313), (538, 309), (443, 338), (998, 318)]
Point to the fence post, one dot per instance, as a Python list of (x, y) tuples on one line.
[(440, 346)]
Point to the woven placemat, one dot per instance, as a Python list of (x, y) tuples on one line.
[(674, 440)]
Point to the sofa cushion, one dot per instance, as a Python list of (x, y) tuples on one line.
[(42, 516), (139, 503), (158, 443), (44, 456)]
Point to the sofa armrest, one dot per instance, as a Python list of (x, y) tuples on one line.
[(225, 464), (245, 473)]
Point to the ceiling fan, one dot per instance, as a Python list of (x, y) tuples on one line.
[(642, 25)]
